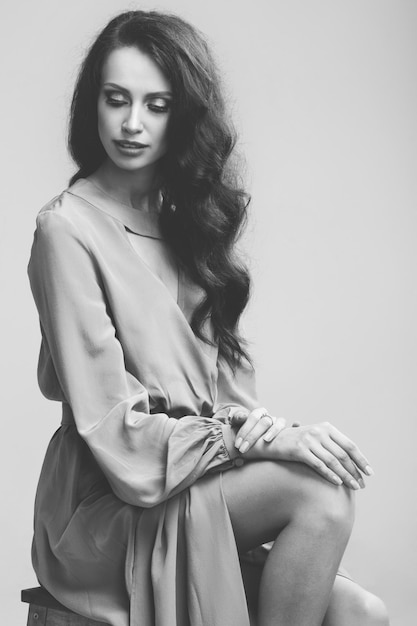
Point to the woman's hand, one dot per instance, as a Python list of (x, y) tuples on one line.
[(254, 425), (320, 446)]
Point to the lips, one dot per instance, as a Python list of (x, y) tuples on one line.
[(130, 145)]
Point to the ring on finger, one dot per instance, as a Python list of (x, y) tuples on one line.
[(269, 417)]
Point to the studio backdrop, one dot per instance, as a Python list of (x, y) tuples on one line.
[(324, 96)]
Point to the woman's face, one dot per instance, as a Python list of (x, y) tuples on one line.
[(134, 106)]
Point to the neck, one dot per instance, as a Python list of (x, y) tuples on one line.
[(138, 189)]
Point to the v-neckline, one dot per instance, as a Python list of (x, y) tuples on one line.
[(138, 222), (178, 299), (142, 223)]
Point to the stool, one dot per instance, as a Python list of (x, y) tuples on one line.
[(44, 610)]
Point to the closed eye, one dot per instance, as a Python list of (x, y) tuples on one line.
[(159, 105), (115, 103), (157, 108), (115, 98), (156, 104)]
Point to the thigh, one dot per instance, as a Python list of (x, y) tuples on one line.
[(263, 496)]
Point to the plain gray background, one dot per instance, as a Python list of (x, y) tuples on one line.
[(324, 94)]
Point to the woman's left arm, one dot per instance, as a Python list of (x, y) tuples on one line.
[(320, 446)]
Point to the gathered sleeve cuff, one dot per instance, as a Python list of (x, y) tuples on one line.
[(146, 457)]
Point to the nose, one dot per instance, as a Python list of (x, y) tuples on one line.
[(133, 123)]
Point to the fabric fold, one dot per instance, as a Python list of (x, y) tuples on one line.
[(131, 526)]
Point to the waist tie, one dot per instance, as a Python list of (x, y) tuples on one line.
[(67, 416)]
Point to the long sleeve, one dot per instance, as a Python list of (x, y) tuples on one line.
[(235, 390), (147, 457)]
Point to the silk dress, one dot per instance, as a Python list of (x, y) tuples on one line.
[(131, 525)]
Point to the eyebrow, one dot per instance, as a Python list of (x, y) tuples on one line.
[(154, 94)]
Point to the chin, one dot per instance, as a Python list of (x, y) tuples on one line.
[(133, 165)]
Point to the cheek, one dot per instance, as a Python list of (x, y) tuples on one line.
[(101, 126), (163, 134), (105, 123)]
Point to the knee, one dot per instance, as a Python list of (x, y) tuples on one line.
[(351, 604), (338, 509), (368, 609), (325, 505)]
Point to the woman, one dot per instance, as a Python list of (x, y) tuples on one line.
[(146, 500)]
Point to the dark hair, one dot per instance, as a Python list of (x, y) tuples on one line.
[(197, 176)]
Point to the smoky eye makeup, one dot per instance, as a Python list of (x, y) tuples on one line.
[(114, 97), (157, 102), (159, 105)]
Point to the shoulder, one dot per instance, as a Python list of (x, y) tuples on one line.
[(67, 236), (68, 207), (58, 225), (66, 226), (62, 208), (71, 215)]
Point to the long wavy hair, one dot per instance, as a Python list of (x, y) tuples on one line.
[(198, 178)]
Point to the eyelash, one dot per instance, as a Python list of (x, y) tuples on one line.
[(155, 108), (158, 109), (115, 103)]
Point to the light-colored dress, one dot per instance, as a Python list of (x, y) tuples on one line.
[(131, 525)]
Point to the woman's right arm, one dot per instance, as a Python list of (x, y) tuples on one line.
[(146, 457)]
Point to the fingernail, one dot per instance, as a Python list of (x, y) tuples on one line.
[(238, 442), (369, 471), (354, 484), (244, 448), (337, 480), (268, 437), (361, 482)]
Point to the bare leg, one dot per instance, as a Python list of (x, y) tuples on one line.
[(310, 520), (351, 605)]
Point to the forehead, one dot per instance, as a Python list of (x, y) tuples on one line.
[(134, 70)]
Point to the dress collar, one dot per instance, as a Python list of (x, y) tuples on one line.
[(140, 222)]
